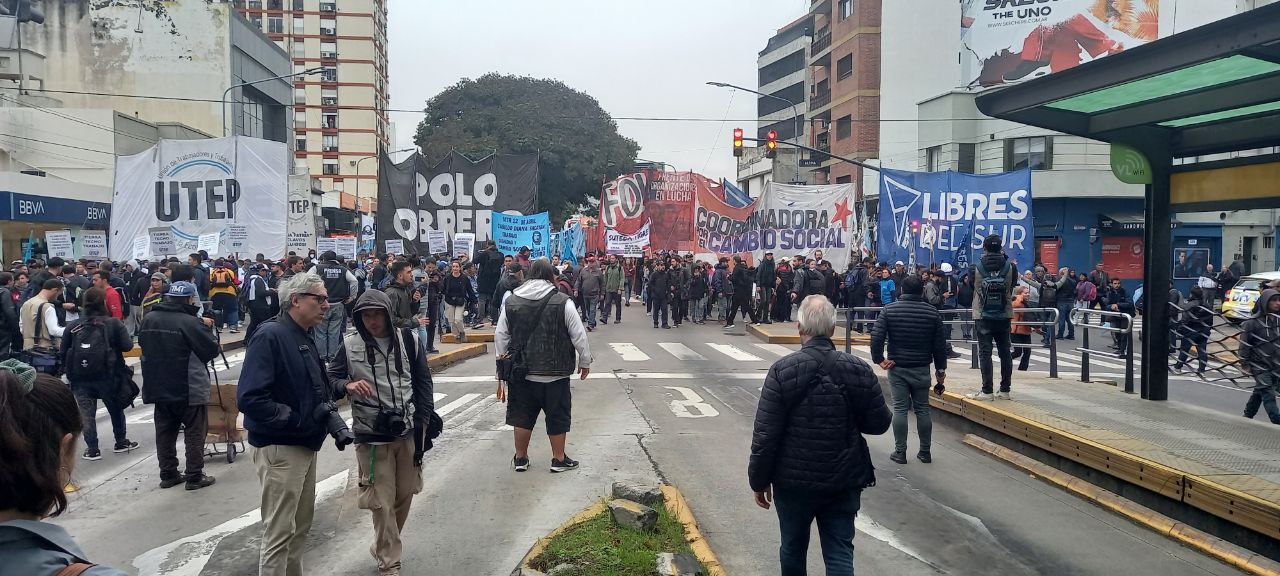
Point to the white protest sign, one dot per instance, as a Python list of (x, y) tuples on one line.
[(462, 244), (162, 242), (395, 246), (437, 241), (325, 244), (237, 237), (93, 244), (59, 242), (345, 246), (631, 245), (208, 243), (141, 248)]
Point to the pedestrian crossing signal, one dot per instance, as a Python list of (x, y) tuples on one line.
[(737, 142), (771, 145)]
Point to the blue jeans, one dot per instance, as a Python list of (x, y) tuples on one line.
[(911, 393), (835, 514), (229, 305), (590, 304), (329, 332), (1064, 321), (699, 312)]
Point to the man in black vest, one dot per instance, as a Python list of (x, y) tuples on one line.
[(543, 323), (341, 286)]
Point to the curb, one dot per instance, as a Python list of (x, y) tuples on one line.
[(677, 506), (1213, 546), (463, 352), (586, 514), (794, 338), (471, 337)]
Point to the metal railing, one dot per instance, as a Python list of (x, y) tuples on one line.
[(1080, 318)]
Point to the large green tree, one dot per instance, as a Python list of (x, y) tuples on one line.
[(577, 142)]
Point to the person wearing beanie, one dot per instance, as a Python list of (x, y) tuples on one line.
[(994, 279)]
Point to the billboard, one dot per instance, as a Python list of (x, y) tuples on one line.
[(1014, 40), (943, 216), (195, 187)]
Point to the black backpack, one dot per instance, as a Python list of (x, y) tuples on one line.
[(993, 290), (89, 353)]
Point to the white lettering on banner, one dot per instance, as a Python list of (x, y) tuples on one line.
[(451, 190), (692, 406)]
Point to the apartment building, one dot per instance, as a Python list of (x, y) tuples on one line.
[(844, 99), (340, 114)]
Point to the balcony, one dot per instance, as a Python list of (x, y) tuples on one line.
[(821, 40), (819, 99), (823, 142), (329, 31), (328, 7), (329, 101)]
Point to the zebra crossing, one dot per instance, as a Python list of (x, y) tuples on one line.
[(697, 352)]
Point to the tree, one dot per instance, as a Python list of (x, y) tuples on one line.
[(577, 142)]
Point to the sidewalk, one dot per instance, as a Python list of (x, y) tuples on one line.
[(1224, 465)]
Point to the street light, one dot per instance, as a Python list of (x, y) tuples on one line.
[(795, 112), (307, 72), (356, 163)]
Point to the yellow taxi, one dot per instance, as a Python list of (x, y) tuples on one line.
[(1238, 304)]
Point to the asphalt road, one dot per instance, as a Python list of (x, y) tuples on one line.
[(671, 404)]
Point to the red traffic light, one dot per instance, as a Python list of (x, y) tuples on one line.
[(737, 142), (771, 145), (915, 225)]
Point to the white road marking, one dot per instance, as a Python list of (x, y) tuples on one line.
[(680, 351), (459, 379), (437, 397), (692, 403), (677, 375), (870, 527), (629, 352), (188, 556), (734, 352), (456, 404), (776, 349)]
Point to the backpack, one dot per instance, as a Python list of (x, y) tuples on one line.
[(993, 289), (1088, 291), (221, 278), (89, 353)]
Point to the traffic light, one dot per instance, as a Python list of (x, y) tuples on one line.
[(771, 146), (915, 227), (737, 142)]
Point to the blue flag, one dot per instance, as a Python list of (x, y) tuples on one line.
[(569, 243), (733, 195), (513, 231)]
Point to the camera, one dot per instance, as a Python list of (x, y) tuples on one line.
[(327, 414), (390, 422)]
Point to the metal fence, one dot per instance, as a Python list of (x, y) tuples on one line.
[(1120, 326)]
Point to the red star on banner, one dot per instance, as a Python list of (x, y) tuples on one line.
[(843, 213)]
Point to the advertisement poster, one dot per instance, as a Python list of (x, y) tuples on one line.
[(93, 243), (194, 187), (512, 232), (59, 243), (627, 244), (395, 246), (464, 244), (962, 208), (1049, 251), (456, 195), (1122, 256), (1189, 263), (1010, 41)]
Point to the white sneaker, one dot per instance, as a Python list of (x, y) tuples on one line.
[(980, 396), (1003, 396)]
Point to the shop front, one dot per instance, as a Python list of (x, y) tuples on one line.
[(24, 219)]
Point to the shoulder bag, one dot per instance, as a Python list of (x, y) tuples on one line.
[(41, 358)]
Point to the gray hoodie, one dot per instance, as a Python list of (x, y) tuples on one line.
[(1260, 339), (31, 547)]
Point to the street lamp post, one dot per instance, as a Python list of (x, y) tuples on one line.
[(357, 165), (795, 113), (307, 72)]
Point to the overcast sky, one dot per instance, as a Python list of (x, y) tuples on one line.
[(649, 59)]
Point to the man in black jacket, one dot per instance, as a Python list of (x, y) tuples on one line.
[(489, 262), (659, 290), (741, 282), (808, 454), (766, 282), (176, 345), (916, 338)]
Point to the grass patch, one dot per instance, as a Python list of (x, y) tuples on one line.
[(599, 547)]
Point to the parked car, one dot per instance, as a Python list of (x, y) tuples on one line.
[(1238, 304)]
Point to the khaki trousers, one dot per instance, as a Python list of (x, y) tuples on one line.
[(388, 481), (288, 477)]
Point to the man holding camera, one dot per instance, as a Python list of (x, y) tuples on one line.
[(178, 343), (288, 404), (392, 411)]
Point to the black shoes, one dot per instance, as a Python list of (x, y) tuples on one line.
[(898, 457), (198, 481), (172, 481), (924, 457), (563, 465), (92, 454), (953, 354), (520, 464), (125, 445)]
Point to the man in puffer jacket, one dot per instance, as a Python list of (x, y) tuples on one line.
[(916, 337), (807, 450), (386, 375), (1260, 356)]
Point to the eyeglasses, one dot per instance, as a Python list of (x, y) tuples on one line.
[(322, 298)]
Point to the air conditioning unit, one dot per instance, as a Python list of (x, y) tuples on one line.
[(328, 7)]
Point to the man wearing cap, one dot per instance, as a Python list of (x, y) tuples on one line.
[(176, 346), (341, 286)]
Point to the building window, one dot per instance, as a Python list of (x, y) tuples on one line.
[(299, 165), (300, 119), (933, 159), (338, 186), (275, 24), (330, 167), (329, 120), (328, 6), (846, 9), (251, 123), (300, 143), (844, 179), (299, 95), (275, 4), (844, 67), (1036, 153), (255, 4), (257, 21), (329, 74), (844, 127), (968, 158), (328, 97), (299, 25), (298, 49), (328, 26), (330, 143), (1268, 242), (299, 5), (328, 49)]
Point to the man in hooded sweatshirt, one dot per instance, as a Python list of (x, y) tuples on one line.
[(543, 323), (993, 279), (1260, 356), (384, 372)]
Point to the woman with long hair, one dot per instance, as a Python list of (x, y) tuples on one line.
[(39, 423), (92, 350)]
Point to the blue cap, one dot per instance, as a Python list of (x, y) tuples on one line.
[(182, 289)]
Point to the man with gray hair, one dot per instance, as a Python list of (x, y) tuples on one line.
[(808, 454), (287, 399)]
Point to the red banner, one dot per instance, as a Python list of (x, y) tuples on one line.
[(1122, 256), (664, 200)]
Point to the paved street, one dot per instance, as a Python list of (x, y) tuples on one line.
[(671, 404)]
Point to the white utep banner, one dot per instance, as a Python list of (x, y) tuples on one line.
[(199, 187)]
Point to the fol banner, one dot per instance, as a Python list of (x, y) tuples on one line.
[(962, 209), (194, 187), (511, 232), (627, 244), (787, 220), (664, 201), (1011, 40), (454, 196)]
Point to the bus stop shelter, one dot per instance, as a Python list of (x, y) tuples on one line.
[(1164, 106)]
